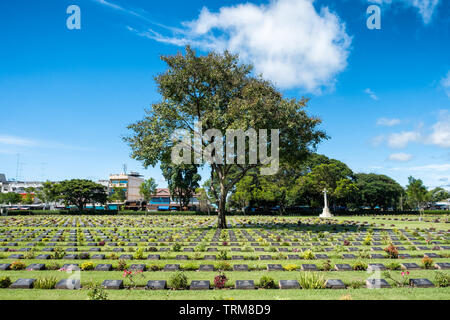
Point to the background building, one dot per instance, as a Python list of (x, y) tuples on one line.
[(130, 183), (162, 200)]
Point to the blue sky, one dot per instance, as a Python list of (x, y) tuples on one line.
[(66, 96)]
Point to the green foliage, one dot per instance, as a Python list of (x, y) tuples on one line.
[(223, 255), (45, 283), (359, 266), (122, 265), (148, 189), (10, 198), (117, 195), (79, 192), (223, 266), (441, 279), (176, 247), (139, 254), (178, 281), (222, 93), (311, 280), (5, 282), (182, 180), (96, 292), (267, 282), (308, 255)]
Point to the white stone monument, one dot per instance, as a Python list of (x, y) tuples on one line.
[(326, 211)]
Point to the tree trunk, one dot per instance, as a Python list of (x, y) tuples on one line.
[(221, 223)]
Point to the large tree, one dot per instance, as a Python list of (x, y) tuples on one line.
[(220, 93), (182, 180), (10, 198), (148, 189), (79, 192), (377, 190), (417, 193)]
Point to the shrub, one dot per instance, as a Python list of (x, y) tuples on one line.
[(427, 262), (121, 265), (45, 283), (139, 254), (308, 255), (220, 281), (223, 266), (391, 251), (5, 282), (58, 253), (223, 255), (360, 266), (311, 280), (52, 266), (441, 279), (29, 255), (86, 266), (393, 266), (96, 292), (154, 267), (178, 281), (356, 284), (190, 266), (290, 267), (176, 247), (200, 248), (266, 282), (18, 265), (326, 266), (84, 256)]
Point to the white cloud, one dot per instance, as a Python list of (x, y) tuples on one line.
[(16, 141), (400, 157), (432, 167), (441, 131), (25, 142), (388, 122), (445, 82), (371, 94), (287, 41), (401, 140), (426, 8)]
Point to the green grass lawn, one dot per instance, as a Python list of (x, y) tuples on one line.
[(310, 227)]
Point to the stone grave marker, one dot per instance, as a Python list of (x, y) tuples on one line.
[(23, 284), (69, 284), (275, 267), (376, 267), (342, 267), (240, 267), (377, 283), (156, 285), (113, 284), (309, 267), (244, 284), (334, 284), (171, 267), (421, 283), (199, 285), (288, 284), (410, 266), (36, 267), (103, 267)]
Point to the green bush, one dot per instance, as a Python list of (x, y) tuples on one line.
[(267, 282), (311, 280), (223, 266), (5, 282), (359, 266), (441, 279), (178, 281), (45, 283)]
